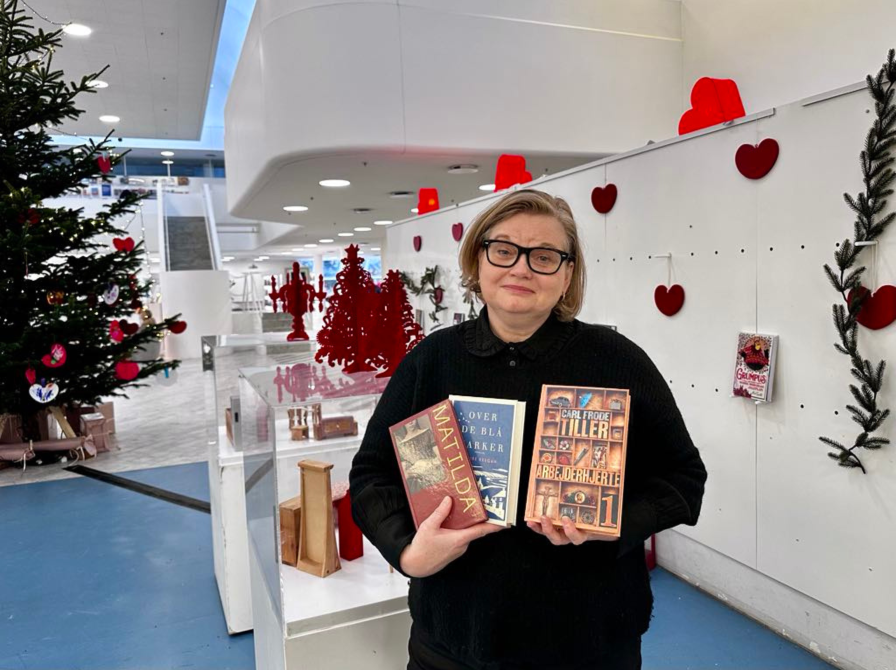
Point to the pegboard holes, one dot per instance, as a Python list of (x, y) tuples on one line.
[(837, 245), (802, 246), (836, 413), (692, 386), (802, 407), (771, 248), (717, 253), (631, 258), (717, 390), (692, 253), (742, 251)]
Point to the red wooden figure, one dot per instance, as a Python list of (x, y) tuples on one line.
[(397, 330), (274, 295), (298, 296), (351, 542)]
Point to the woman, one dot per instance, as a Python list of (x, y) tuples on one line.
[(530, 596)]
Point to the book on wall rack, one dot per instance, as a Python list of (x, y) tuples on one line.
[(433, 462), (754, 368), (492, 430), (578, 463)]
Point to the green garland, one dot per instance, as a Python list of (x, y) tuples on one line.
[(428, 286)]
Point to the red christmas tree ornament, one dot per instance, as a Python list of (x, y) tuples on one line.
[(428, 200), (879, 309), (128, 328), (457, 231), (115, 331), (669, 300), (756, 161), (31, 217), (123, 244), (56, 357), (603, 198), (418, 242), (104, 163), (177, 327), (350, 320), (31, 375), (511, 170), (127, 370), (397, 330), (713, 101)]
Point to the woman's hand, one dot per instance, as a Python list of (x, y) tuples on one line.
[(568, 535), (434, 547)]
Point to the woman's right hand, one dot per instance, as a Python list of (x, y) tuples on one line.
[(434, 547)]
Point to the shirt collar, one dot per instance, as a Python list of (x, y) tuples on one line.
[(481, 341)]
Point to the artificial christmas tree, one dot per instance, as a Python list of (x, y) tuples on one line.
[(397, 332), (65, 292)]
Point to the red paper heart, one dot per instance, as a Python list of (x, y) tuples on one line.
[(669, 299), (879, 309), (418, 242), (603, 199), (126, 244), (126, 370), (128, 328), (457, 231), (30, 375), (712, 101), (115, 331), (56, 357), (178, 327), (754, 162), (104, 163)]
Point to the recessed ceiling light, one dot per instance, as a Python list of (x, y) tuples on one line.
[(382, 223), (77, 30), (346, 234), (227, 259), (487, 187), (167, 153), (326, 241), (263, 258), (374, 248), (464, 168), (401, 194), (167, 162), (414, 211), (362, 229), (97, 83), (335, 183), (109, 118), (310, 246), (295, 208), (286, 253)]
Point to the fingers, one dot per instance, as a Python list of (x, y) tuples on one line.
[(555, 536), (575, 535), (467, 535), (438, 516)]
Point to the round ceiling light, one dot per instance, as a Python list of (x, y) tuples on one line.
[(414, 211), (374, 248), (382, 223), (295, 208), (97, 83), (167, 153), (464, 168), (109, 118), (335, 183), (167, 162), (77, 30), (487, 187)]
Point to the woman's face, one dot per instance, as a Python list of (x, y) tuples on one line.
[(517, 291)]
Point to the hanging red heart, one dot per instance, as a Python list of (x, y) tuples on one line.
[(438, 294), (457, 231), (104, 163), (126, 244), (30, 375), (178, 327), (418, 242), (603, 199), (754, 162), (126, 370), (879, 308), (115, 331), (56, 357), (669, 299), (128, 328), (136, 304)]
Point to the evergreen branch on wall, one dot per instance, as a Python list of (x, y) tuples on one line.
[(876, 161)]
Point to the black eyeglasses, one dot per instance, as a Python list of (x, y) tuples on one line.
[(542, 260)]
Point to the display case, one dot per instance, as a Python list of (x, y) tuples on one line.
[(356, 617), (222, 356)]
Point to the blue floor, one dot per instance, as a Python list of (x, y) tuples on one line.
[(94, 576)]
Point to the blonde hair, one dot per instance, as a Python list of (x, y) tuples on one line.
[(527, 201)]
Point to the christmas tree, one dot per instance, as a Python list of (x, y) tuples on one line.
[(398, 331), (349, 323), (66, 296)]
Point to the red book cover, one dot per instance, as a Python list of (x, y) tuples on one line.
[(434, 464)]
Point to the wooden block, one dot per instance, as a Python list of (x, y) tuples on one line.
[(108, 411), (290, 530), (317, 537), (228, 422), (94, 425)]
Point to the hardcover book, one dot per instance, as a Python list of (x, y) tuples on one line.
[(492, 430), (754, 368), (434, 463), (578, 462)]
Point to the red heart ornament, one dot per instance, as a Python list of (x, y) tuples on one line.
[(438, 294), (457, 231), (31, 375), (126, 244), (603, 198), (712, 101), (754, 162), (115, 331), (104, 163), (128, 328), (126, 370), (418, 242), (879, 309), (56, 357), (669, 299), (178, 327)]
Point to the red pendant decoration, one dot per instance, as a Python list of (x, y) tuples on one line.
[(713, 101), (56, 357), (418, 242), (128, 328), (879, 309), (104, 164), (31, 217), (127, 370), (457, 231), (126, 244), (756, 161), (428, 200), (115, 331), (178, 327), (669, 300), (30, 375), (511, 170), (603, 198)]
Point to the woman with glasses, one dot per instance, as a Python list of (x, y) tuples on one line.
[(533, 595)]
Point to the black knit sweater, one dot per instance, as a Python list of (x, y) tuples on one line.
[(514, 599)]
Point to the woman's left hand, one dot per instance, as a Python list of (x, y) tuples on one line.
[(569, 534)]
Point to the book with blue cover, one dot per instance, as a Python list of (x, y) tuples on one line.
[(492, 429)]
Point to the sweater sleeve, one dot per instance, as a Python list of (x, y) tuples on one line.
[(379, 503), (665, 475)]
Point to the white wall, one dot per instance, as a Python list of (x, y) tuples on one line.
[(779, 51)]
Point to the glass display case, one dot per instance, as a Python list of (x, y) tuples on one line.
[(356, 617), (222, 356)]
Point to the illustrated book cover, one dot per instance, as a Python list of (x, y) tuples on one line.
[(492, 430), (578, 461), (754, 368), (434, 463)]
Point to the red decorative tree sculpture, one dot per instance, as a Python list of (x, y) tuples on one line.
[(397, 331), (298, 296), (348, 331)]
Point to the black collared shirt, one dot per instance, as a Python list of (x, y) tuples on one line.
[(514, 600)]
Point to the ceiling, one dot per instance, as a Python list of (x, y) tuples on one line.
[(160, 55)]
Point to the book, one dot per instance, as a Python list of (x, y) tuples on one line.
[(754, 367), (578, 460), (434, 463), (492, 430)]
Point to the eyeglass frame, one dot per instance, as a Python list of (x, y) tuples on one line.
[(565, 256)]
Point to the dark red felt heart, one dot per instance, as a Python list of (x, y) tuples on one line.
[(669, 299), (128, 328), (754, 162), (879, 309), (418, 242), (126, 244), (603, 198), (31, 375), (126, 370), (712, 101), (104, 163), (438, 294), (178, 327), (457, 231)]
